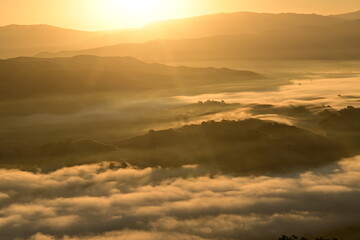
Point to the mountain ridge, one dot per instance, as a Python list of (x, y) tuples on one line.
[(27, 77), (348, 16), (339, 41), (58, 39), (266, 145)]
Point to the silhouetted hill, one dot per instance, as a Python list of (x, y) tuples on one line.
[(345, 120), (251, 146), (55, 155), (22, 40), (349, 16), (336, 42), (345, 126), (32, 77), (219, 24), (39, 35), (234, 146), (72, 147)]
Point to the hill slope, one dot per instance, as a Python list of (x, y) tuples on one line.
[(250, 146), (349, 16), (33, 77), (336, 42), (17, 40), (219, 24), (21, 40), (234, 146)]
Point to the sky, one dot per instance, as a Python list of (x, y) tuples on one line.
[(95, 15)]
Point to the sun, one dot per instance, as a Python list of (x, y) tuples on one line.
[(134, 12)]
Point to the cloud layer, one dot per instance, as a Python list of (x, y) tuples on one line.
[(100, 202)]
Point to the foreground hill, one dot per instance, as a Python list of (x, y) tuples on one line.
[(336, 42), (251, 146), (34, 77), (234, 146), (345, 126)]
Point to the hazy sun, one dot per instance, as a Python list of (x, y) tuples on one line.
[(137, 12)]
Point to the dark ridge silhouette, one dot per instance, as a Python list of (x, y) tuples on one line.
[(336, 42), (73, 147), (237, 147), (293, 111), (345, 126), (56, 155), (294, 237), (33, 77), (250, 146), (306, 117), (345, 120)]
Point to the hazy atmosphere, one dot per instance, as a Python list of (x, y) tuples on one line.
[(94, 15), (189, 120)]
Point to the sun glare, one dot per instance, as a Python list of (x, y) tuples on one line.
[(135, 12)]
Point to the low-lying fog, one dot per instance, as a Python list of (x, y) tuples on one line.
[(314, 94), (103, 202)]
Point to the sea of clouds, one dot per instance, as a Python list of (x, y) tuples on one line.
[(102, 202)]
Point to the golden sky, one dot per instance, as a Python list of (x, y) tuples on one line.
[(115, 14)]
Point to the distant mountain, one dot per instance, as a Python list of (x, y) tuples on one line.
[(39, 35), (18, 40), (349, 16), (218, 24), (34, 77), (338, 41)]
